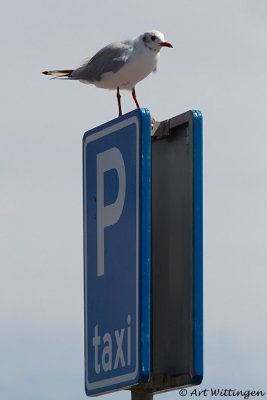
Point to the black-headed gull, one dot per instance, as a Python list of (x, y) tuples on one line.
[(119, 65)]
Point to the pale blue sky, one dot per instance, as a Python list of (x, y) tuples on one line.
[(218, 65)]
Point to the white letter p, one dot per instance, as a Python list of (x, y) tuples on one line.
[(110, 214)]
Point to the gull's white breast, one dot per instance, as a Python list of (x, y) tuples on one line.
[(138, 66)]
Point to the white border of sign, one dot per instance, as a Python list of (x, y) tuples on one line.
[(130, 376)]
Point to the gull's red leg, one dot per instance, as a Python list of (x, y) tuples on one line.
[(119, 101), (137, 104), (134, 97)]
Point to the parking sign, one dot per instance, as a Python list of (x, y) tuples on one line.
[(117, 198)]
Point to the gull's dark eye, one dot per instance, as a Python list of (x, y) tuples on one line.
[(153, 38)]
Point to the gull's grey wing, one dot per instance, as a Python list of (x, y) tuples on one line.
[(109, 59)]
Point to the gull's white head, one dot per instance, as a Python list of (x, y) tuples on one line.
[(154, 40)]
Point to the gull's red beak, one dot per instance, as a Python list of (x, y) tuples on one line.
[(166, 44)]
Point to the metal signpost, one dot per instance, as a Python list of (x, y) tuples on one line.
[(143, 254)]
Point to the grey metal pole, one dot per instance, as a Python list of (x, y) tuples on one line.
[(141, 395)]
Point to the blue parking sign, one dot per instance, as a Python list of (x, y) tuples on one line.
[(117, 224)]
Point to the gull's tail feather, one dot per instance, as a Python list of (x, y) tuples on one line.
[(64, 73)]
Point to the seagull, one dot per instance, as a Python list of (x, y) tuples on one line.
[(119, 65)]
